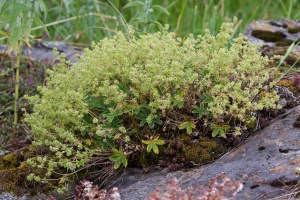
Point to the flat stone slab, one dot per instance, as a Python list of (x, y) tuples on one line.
[(265, 164)]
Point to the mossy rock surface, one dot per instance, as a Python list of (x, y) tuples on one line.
[(288, 84), (13, 175), (14, 180), (203, 150)]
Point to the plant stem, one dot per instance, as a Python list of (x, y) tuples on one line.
[(177, 30), (17, 71)]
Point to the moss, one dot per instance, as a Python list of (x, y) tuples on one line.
[(294, 30), (8, 161), (284, 42), (14, 180), (268, 36), (14, 171), (203, 151), (208, 144), (185, 138), (288, 84)]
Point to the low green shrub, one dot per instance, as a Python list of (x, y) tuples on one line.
[(128, 91)]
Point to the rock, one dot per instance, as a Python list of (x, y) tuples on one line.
[(275, 37), (265, 164), (273, 33), (42, 52)]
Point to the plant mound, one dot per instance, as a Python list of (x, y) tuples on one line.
[(132, 93)]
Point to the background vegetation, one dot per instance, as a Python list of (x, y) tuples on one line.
[(92, 20)]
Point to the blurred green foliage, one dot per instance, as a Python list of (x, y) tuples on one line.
[(92, 20)]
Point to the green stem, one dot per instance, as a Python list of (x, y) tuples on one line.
[(178, 26), (17, 71)]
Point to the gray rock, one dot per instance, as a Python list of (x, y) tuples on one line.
[(275, 37), (42, 52)]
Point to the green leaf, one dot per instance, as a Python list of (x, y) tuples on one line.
[(83, 133), (79, 163), (151, 124), (182, 125), (104, 146), (118, 157), (115, 124), (113, 113), (161, 9), (152, 144), (17, 34), (153, 121), (159, 142), (125, 162), (94, 102), (110, 142), (215, 132), (42, 6), (117, 164), (136, 110), (114, 158), (17, 10), (2, 2), (149, 147), (200, 110), (116, 3), (146, 141), (178, 99), (159, 26), (104, 143), (220, 130), (157, 121), (142, 114), (188, 126), (155, 148), (39, 22), (207, 98), (134, 4), (143, 122), (116, 151)]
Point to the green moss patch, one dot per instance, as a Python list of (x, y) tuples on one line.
[(203, 150), (8, 161), (288, 84)]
